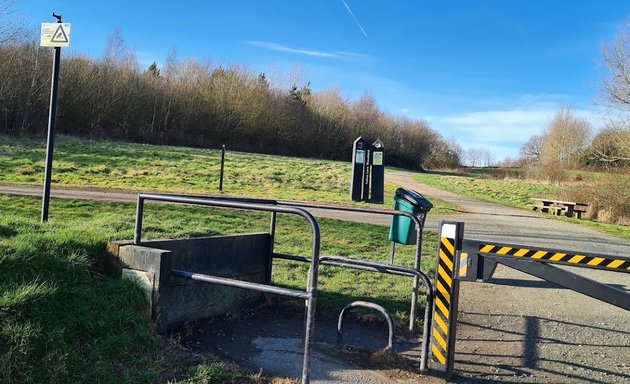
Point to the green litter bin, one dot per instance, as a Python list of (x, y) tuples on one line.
[(402, 229)]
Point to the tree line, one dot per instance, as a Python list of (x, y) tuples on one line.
[(194, 103)]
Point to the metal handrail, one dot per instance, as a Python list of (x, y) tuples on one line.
[(311, 293), (362, 265), (240, 284), (388, 212), (391, 335), (295, 207), (298, 204), (401, 271)]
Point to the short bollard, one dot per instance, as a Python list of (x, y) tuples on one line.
[(388, 317), (222, 164)]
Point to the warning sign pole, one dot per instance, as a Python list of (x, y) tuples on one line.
[(52, 116)]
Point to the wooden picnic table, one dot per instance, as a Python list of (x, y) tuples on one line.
[(559, 207)]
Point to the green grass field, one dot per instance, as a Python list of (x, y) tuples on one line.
[(138, 167), (62, 320)]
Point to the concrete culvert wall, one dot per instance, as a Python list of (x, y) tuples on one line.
[(174, 300)]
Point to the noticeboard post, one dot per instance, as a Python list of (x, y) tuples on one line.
[(358, 164), (378, 172), (55, 35)]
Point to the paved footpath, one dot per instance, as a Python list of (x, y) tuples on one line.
[(518, 329)]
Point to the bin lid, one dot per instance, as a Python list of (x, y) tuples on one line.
[(414, 198)]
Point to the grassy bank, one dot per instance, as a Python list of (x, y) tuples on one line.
[(138, 167), (62, 320), (177, 169)]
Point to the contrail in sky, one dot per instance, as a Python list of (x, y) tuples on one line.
[(528, 102), (354, 17)]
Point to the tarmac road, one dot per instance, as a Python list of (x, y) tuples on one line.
[(518, 329)]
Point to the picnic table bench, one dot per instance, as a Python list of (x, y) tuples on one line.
[(558, 207)]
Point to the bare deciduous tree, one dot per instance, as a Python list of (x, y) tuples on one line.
[(611, 147), (10, 23), (479, 157), (532, 149), (488, 158), (473, 157), (566, 136), (615, 86), (447, 154)]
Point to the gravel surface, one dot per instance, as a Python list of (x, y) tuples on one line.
[(517, 329), (520, 329)]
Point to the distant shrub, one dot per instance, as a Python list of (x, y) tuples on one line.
[(515, 173), (609, 201)]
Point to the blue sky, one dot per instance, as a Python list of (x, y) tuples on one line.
[(487, 73)]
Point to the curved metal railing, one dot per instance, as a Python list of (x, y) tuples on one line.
[(310, 295)]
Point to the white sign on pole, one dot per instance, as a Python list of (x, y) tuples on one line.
[(377, 158), (55, 35), (359, 158)]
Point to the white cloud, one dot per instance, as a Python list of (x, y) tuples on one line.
[(492, 124), (502, 131), (307, 52)]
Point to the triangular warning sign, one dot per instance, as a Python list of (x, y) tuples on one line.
[(59, 36)]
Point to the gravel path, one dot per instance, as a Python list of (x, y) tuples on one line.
[(524, 330), (518, 329)]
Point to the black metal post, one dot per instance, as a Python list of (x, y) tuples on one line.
[(378, 172), (52, 116), (137, 234), (392, 251), (272, 239), (357, 175), (222, 163)]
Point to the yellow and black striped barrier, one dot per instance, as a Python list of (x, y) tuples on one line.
[(446, 297), (615, 263), (462, 259)]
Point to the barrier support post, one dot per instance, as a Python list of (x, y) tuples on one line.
[(443, 328)]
